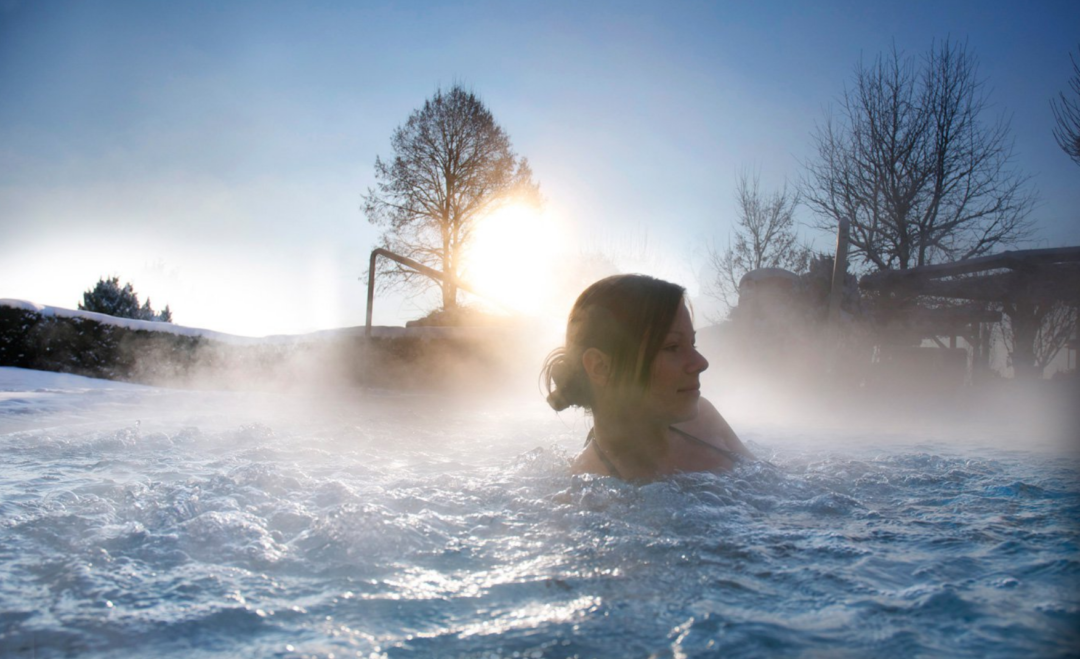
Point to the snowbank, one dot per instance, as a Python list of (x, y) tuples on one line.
[(132, 324), (378, 331), (45, 338)]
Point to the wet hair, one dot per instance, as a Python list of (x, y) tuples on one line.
[(627, 317)]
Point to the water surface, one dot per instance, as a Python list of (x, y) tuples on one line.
[(141, 522)]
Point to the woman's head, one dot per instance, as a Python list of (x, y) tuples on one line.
[(624, 317)]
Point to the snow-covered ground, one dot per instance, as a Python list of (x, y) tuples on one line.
[(379, 331), (44, 401), (129, 323), (27, 397), (35, 388)]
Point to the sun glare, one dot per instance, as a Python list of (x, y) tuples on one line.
[(511, 258)]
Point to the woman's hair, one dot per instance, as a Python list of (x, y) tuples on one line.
[(627, 317)]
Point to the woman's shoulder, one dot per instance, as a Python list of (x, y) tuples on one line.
[(706, 424), (711, 427), (584, 463)]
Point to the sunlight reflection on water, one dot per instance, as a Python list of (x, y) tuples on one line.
[(415, 527)]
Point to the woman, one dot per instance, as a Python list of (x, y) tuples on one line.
[(630, 360)]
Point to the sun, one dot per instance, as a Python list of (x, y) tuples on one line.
[(511, 257)]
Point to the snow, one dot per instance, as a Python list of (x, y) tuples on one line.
[(377, 331), (37, 401), (31, 398), (128, 323), (26, 380)]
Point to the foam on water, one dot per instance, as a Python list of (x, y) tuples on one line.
[(411, 529)]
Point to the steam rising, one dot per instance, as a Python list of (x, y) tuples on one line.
[(359, 521)]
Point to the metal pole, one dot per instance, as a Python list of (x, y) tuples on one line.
[(370, 292)]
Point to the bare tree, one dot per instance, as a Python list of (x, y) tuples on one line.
[(1067, 116), (910, 162), (1034, 333), (452, 164), (764, 238)]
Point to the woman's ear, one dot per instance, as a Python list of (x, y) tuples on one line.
[(597, 366)]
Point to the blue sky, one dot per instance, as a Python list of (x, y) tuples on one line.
[(215, 153)]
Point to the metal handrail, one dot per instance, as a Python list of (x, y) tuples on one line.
[(410, 263)]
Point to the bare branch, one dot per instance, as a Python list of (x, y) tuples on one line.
[(452, 164), (764, 238), (1066, 110), (909, 160)]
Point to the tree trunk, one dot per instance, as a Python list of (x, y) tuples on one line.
[(1025, 325), (449, 295), (449, 282)]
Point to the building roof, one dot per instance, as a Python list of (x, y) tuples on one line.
[(1035, 275)]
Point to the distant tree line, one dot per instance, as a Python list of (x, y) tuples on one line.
[(108, 297)]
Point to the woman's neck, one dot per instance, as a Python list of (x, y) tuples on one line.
[(638, 445)]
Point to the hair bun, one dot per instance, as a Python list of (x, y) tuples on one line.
[(559, 379), (557, 400)]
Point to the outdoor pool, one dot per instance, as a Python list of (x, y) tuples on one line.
[(157, 523)]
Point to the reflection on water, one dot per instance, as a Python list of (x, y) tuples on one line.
[(408, 529)]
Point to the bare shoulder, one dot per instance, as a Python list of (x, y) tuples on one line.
[(581, 464), (708, 423), (711, 426), (587, 463)]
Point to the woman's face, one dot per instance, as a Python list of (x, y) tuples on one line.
[(674, 386)]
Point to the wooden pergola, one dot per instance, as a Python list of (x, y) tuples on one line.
[(1025, 285)]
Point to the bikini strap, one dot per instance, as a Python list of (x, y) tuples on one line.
[(730, 455), (591, 439)]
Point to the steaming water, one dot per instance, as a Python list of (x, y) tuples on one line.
[(172, 524)]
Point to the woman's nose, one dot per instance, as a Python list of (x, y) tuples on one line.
[(698, 363)]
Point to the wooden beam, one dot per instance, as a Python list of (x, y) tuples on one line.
[(1011, 260), (1044, 284)]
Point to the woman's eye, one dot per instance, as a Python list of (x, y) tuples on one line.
[(671, 347)]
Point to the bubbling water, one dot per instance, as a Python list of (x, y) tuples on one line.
[(412, 526)]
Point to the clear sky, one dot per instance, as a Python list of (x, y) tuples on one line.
[(215, 153)]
